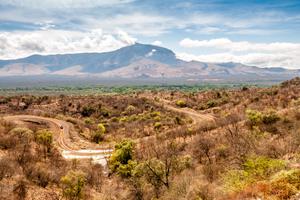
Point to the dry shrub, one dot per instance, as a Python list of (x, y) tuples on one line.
[(95, 176), (39, 174), (20, 189), (7, 167), (211, 171), (202, 148)]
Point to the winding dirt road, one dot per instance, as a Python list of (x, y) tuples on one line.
[(69, 150), (82, 149), (198, 119)]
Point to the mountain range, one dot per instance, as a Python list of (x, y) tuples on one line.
[(135, 61)]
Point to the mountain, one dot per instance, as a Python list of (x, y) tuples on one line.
[(135, 61)]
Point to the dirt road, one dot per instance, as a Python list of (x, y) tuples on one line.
[(69, 150), (82, 149), (199, 119)]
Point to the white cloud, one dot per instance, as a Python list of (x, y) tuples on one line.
[(124, 37), (277, 54), (254, 59), (20, 44), (134, 23), (157, 43), (226, 44)]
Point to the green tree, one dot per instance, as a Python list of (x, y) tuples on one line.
[(72, 185)]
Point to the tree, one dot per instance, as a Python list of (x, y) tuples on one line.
[(72, 185), (45, 138), (202, 147), (160, 163)]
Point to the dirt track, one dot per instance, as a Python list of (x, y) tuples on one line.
[(62, 139), (82, 149)]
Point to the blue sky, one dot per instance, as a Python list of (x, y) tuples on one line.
[(261, 33)]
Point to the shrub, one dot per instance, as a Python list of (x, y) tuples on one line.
[(254, 168), (181, 103), (157, 118), (7, 167), (88, 121), (20, 189), (254, 116), (121, 159), (155, 114), (211, 104), (178, 120), (87, 111), (292, 177), (45, 138), (263, 167), (72, 184), (157, 125), (39, 174), (130, 109), (270, 117), (101, 128), (98, 135)]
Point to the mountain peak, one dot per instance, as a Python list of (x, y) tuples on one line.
[(138, 51)]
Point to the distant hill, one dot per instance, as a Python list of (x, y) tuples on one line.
[(136, 61)]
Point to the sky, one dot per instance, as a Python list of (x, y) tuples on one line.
[(253, 32)]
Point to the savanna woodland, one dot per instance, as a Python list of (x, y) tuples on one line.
[(233, 143)]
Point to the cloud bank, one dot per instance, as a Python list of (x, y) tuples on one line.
[(20, 44), (278, 54)]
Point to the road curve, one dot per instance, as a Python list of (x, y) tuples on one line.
[(198, 119), (68, 149)]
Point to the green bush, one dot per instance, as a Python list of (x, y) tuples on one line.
[(253, 169), (157, 125), (101, 128), (270, 117), (121, 160), (262, 167), (45, 138), (98, 136), (181, 103), (88, 121), (72, 185), (155, 114), (254, 116)]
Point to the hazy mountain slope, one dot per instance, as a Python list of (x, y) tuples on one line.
[(138, 60)]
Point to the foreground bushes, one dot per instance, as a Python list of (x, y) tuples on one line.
[(253, 169), (256, 117)]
